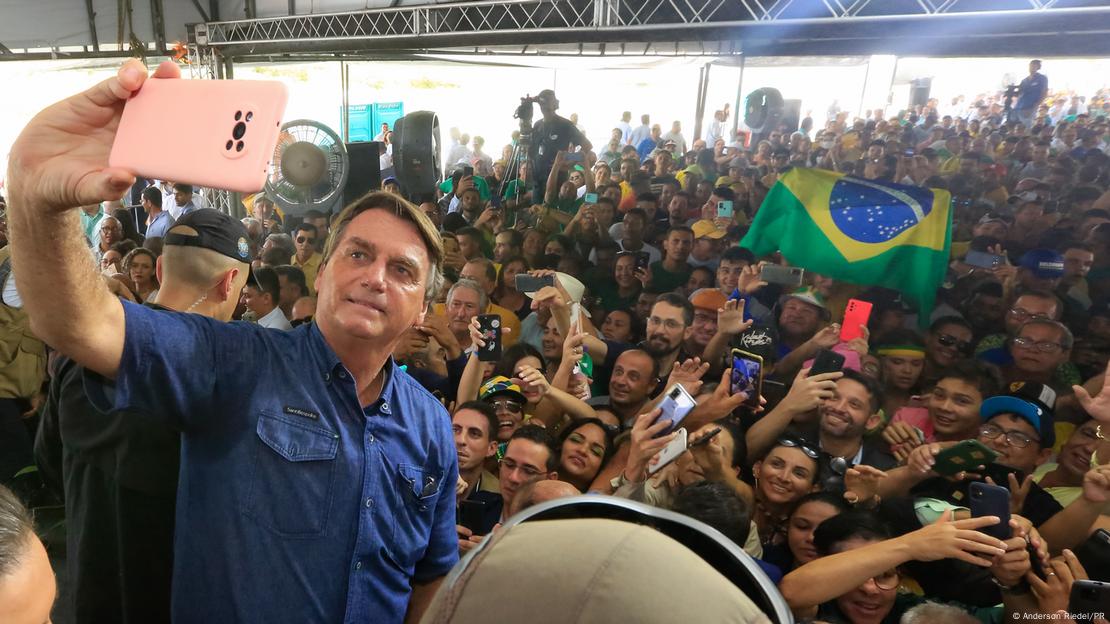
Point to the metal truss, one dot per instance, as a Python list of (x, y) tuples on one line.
[(754, 27)]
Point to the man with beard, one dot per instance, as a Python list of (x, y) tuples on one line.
[(801, 315)]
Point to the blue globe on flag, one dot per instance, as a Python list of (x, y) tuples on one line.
[(875, 212)]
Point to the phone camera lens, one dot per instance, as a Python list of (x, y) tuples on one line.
[(239, 130), (239, 146), (238, 115), (229, 144), (250, 115)]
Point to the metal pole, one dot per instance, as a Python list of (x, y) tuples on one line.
[(344, 77), (863, 89), (739, 100), (92, 24), (703, 94)]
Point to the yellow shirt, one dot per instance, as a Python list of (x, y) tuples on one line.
[(509, 321), (310, 268)]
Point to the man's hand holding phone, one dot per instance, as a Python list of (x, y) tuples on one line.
[(645, 442), (60, 160)]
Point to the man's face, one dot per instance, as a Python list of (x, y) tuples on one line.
[(256, 301), (305, 243), (1028, 214), (470, 202), (473, 439), (985, 311), (847, 414), (1040, 154), (624, 272), (678, 245), (677, 208), (603, 213), (462, 306), (524, 462), (477, 272), (704, 327), (1028, 307), (290, 292), (503, 248), (627, 169), (631, 381), (644, 303), (728, 274), (1024, 459), (469, 247), (261, 210), (948, 344), (1077, 263), (181, 197), (1030, 281), (373, 286), (1027, 349), (799, 319), (431, 210), (954, 408), (649, 207), (633, 227), (110, 261), (997, 229), (666, 329)]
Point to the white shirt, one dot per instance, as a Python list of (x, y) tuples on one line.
[(626, 132), (275, 320), (11, 293), (639, 135)]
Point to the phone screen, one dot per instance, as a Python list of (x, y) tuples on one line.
[(530, 283), (746, 376), (674, 407), (591, 198)]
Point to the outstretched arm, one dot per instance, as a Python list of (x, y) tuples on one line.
[(58, 163)]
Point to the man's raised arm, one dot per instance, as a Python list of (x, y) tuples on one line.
[(58, 163)]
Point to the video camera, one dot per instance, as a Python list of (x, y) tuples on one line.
[(524, 111)]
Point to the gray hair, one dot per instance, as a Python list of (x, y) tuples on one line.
[(16, 528), (284, 241), (931, 612), (1067, 339), (483, 300)]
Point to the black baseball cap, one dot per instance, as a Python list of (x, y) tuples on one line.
[(214, 230)]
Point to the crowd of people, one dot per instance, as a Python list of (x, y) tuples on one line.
[(190, 450)]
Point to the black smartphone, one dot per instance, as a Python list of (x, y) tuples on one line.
[(1035, 561), (778, 274), (472, 515), (643, 258), (702, 441), (1094, 554), (490, 326), (1087, 599), (531, 283), (992, 500), (827, 361)]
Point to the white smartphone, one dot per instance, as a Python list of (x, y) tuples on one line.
[(674, 448), (575, 327), (676, 404)]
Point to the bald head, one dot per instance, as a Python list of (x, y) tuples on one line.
[(540, 492)]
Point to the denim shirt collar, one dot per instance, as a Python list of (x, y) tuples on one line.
[(334, 369)]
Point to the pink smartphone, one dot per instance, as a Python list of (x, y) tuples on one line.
[(212, 133)]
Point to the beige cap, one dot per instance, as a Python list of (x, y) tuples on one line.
[(587, 571)]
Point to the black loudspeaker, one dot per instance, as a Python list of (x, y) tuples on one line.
[(791, 115), (416, 156), (919, 91), (763, 110), (366, 173)]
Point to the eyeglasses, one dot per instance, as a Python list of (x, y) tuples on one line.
[(507, 406), (1016, 439), (947, 340), (305, 239), (1023, 315), (887, 580), (798, 444), (512, 466), (1043, 346), (670, 324)]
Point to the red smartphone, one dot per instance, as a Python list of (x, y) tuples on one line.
[(855, 314), (213, 133)]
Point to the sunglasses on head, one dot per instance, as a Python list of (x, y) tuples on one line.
[(802, 446), (947, 340)]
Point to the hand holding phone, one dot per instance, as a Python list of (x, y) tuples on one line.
[(671, 452), (779, 274), (490, 327), (674, 407), (472, 515), (856, 315), (531, 283), (966, 456), (747, 376), (827, 361), (992, 500), (724, 209), (591, 198)]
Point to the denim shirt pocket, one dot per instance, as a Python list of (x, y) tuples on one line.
[(419, 490), (292, 476)]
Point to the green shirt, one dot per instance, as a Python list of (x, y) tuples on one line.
[(664, 281), (448, 185)]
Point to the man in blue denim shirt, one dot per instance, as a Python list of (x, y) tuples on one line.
[(317, 479)]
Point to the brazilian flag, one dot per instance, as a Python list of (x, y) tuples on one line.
[(859, 231)]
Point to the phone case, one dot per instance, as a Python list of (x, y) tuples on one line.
[(213, 133), (472, 514), (827, 361), (490, 325), (749, 380), (982, 259), (778, 274), (642, 259), (676, 404), (724, 209), (1088, 598), (674, 448), (992, 500), (967, 455), (1094, 554), (856, 313)]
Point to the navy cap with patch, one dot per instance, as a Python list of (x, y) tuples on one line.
[(214, 230)]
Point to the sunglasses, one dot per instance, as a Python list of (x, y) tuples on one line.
[(798, 444), (509, 406), (946, 340), (305, 239)]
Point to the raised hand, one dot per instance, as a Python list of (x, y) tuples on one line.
[(806, 393), (827, 336), (532, 378), (902, 438), (749, 281), (730, 319), (689, 374), (945, 539), (861, 483), (60, 160), (1096, 484), (645, 444), (1097, 406)]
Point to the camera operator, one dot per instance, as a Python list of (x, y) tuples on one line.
[(1030, 93), (551, 135)]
